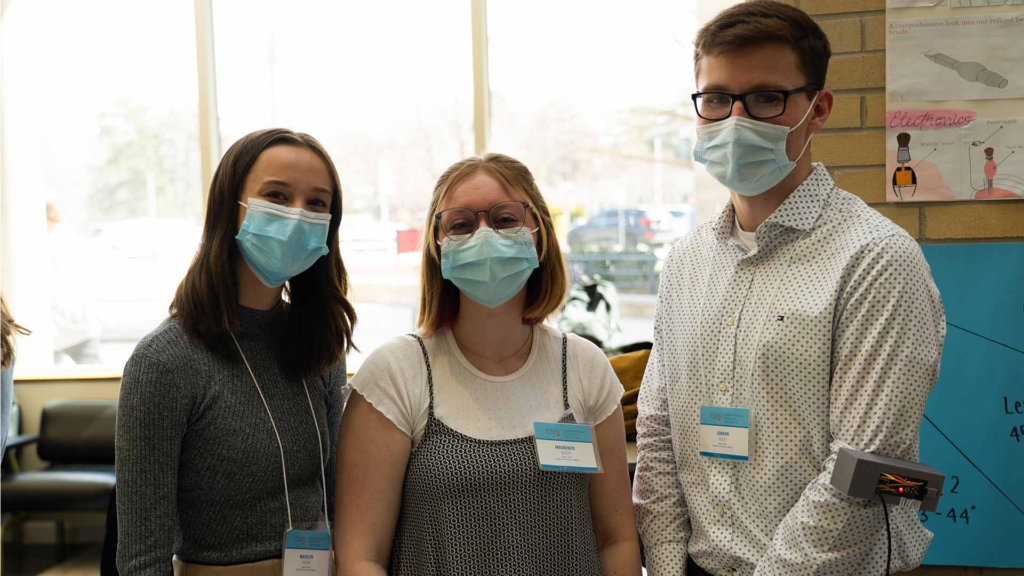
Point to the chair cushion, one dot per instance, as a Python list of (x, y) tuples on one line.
[(57, 490), (78, 431)]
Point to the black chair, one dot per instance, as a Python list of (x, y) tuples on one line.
[(76, 439), (108, 556)]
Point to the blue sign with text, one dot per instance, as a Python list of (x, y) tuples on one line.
[(973, 430)]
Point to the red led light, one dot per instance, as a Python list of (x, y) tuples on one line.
[(901, 489)]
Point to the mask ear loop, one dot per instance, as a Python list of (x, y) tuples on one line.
[(814, 102)]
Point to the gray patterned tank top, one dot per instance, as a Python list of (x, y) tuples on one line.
[(474, 506)]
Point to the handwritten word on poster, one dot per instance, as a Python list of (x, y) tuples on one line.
[(936, 155), (922, 157)]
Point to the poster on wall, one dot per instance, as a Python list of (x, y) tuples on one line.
[(939, 155), (962, 58), (973, 426), (922, 154)]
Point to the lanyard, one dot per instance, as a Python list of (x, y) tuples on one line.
[(280, 446)]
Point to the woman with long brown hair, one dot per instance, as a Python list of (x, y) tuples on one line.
[(8, 328), (442, 465), (229, 409)]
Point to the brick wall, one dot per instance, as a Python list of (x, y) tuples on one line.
[(853, 143)]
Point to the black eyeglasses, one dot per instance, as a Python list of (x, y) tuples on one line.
[(506, 218), (759, 104)]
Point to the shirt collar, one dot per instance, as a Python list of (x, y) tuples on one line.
[(799, 211)]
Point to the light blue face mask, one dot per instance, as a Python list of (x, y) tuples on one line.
[(488, 267), (747, 156), (279, 243)]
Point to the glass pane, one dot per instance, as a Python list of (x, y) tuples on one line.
[(103, 178), (388, 91), (595, 100)]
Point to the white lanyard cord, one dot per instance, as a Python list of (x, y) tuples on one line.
[(320, 443), (280, 446)]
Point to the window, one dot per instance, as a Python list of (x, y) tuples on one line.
[(101, 172), (391, 98), (594, 98), (104, 147)]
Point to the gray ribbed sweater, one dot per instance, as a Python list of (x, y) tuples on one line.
[(198, 466)]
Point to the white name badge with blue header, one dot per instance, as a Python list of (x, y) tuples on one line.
[(565, 447), (725, 433), (307, 553)]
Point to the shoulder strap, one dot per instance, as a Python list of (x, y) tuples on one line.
[(565, 371), (430, 375)]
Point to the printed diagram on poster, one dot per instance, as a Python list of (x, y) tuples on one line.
[(962, 58), (943, 155), (922, 158), (983, 3), (994, 164)]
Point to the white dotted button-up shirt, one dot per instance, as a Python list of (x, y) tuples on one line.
[(830, 331)]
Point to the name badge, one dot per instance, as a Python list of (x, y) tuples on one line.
[(307, 552), (566, 447), (725, 433)]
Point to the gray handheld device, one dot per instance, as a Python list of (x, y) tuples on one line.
[(899, 482)]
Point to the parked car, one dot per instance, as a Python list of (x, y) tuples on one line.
[(626, 230)]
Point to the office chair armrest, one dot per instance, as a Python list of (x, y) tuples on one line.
[(21, 440)]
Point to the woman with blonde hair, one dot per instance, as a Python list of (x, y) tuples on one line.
[(437, 465)]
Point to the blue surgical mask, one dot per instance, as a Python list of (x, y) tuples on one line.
[(747, 156), (279, 243), (488, 267)]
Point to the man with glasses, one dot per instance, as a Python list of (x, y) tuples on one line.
[(794, 323)]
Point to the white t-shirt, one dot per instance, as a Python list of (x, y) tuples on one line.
[(394, 380), (745, 238)]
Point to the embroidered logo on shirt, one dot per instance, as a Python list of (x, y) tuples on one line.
[(780, 318)]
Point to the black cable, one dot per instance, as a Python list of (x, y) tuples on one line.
[(888, 532)]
